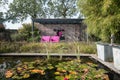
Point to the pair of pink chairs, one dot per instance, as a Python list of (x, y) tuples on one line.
[(50, 39)]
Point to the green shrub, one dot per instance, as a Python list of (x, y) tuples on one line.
[(88, 48), (8, 47), (31, 47)]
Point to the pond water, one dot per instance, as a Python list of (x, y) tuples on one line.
[(40, 68)]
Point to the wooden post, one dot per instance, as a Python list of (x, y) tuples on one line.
[(33, 30), (112, 39)]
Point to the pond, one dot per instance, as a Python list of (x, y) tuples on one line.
[(41, 68)]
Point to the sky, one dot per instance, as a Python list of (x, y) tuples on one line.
[(9, 25)]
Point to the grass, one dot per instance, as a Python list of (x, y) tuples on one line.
[(62, 47)]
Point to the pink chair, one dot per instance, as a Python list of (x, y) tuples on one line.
[(45, 39), (54, 39)]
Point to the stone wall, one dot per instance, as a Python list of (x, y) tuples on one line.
[(72, 32)]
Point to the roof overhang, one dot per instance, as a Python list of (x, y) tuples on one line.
[(58, 21)]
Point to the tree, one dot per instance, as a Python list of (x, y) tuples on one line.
[(1, 17), (25, 33), (2, 14), (4, 34), (102, 17), (21, 9), (2, 2), (62, 8)]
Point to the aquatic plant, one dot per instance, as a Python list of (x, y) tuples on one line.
[(26, 69), (56, 70), (76, 70)]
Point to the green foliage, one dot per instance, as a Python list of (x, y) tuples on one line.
[(54, 69), (15, 37), (21, 9), (3, 2), (102, 17), (32, 47), (4, 34), (25, 33), (117, 36), (62, 8), (1, 17), (75, 69), (8, 47), (69, 47), (4, 8), (37, 68), (88, 48)]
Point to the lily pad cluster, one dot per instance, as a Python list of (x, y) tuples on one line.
[(76, 70), (26, 69), (63, 70)]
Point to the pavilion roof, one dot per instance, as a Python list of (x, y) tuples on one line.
[(58, 21)]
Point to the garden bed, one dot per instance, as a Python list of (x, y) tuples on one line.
[(62, 47)]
